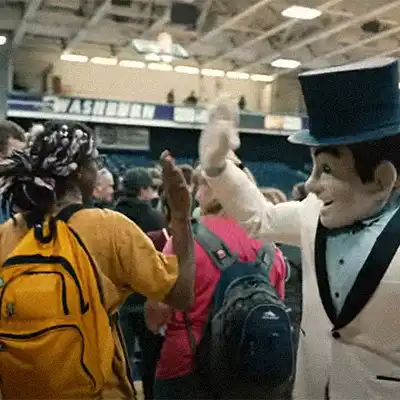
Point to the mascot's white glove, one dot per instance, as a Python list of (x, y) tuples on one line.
[(220, 137)]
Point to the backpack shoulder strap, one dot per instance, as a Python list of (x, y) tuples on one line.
[(67, 212), (215, 248), (64, 215), (266, 256), (221, 257), (35, 221)]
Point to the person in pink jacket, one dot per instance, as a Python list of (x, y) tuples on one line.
[(175, 377)]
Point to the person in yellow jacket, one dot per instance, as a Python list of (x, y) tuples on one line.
[(57, 169)]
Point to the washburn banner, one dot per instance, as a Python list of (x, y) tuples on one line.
[(107, 111)]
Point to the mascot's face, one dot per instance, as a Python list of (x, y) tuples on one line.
[(346, 199)]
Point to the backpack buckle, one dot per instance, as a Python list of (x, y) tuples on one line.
[(221, 254)]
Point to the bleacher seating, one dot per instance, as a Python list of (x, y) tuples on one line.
[(278, 175), (267, 174)]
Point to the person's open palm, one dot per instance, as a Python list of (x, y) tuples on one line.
[(176, 189), (220, 136)]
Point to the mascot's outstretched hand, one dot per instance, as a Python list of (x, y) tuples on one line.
[(220, 136)]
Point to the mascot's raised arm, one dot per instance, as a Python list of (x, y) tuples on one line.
[(348, 227)]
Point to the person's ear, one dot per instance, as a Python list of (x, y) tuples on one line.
[(385, 177)]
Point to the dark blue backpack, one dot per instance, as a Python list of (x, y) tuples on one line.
[(248, 337)]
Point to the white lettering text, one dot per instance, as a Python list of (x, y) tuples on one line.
[(136, 111), (123, 110), (148, 111), (87, 106), (111, 109), (99, 107), (60, 105), (75, 107)]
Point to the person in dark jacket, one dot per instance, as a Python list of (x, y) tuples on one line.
[(135, 200), (135, 203)]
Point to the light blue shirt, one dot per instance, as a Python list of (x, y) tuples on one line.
[(348, 249)]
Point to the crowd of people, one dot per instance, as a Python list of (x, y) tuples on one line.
[(56, 165), (196, 279), (138, 194)]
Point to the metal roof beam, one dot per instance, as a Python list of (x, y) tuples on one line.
[(356, 45), (346, 49), (98, 15), (29, 15), (159, 24), (203, 15), (322, 35), (386, 53), (271, 32), (231, 21)]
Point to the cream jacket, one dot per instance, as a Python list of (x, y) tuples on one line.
[(358, 353)]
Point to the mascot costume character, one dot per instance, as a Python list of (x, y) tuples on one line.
[(348, 227)]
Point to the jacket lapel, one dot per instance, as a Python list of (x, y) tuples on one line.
[(321, 272), (372, 272), (368, 278)]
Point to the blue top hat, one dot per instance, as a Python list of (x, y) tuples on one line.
[(351, 104)]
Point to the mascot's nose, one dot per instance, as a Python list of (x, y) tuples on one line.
[(312, 185)]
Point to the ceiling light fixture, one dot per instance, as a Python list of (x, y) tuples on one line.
[(132, 64), (299, 12), (183, 69), (166, 58), (262, 78), (74, 58), (285, 63), (3, 40), (104, 61), (212, 72), (159, 67), (152, 57), (237, 75)]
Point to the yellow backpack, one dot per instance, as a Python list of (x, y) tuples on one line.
[(56, 340)]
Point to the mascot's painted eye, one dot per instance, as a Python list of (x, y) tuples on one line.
[(326, 168)]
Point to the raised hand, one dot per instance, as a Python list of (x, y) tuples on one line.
[(220, 136), (175, 187)]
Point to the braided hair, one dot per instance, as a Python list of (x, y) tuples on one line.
[(33, 178)]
